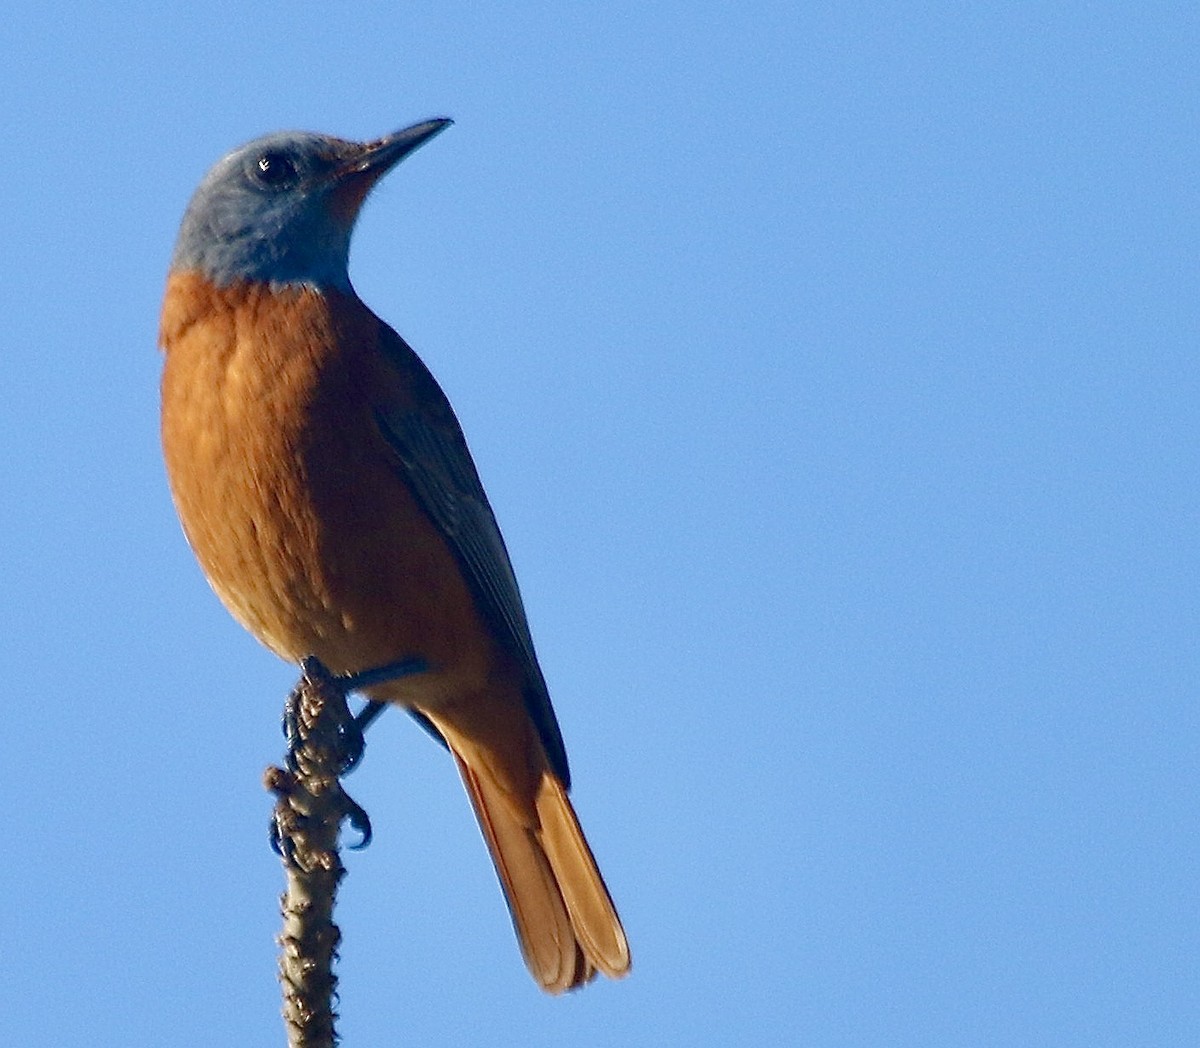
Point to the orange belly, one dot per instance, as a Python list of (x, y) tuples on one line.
[(292, 499)]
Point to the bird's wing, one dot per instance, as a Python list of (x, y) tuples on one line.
[(437, 466)]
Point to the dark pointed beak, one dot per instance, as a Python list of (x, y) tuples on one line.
[(379, 157), (366, 164)]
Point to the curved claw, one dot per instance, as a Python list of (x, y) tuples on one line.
[(360, 821)]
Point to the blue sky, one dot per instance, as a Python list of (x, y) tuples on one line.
[(832, 370)]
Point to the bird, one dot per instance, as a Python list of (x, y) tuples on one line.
[(325, 486)]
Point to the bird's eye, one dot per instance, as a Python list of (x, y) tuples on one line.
[(275, 169)]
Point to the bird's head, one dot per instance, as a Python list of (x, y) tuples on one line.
[(281, 209)]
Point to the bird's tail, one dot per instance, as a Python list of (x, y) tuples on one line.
[(564, 917)]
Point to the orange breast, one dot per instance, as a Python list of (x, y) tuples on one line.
[(292, 499)]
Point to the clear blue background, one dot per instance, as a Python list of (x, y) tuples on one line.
[(832, 369)]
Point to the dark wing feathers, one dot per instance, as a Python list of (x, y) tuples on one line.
[(437, 465)]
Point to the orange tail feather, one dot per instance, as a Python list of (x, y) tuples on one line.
[(564, 918)]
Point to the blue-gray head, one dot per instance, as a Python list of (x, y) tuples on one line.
[(281, 208)]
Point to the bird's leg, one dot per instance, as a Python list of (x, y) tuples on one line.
[(382, 674), (367, 715), (392, 671)]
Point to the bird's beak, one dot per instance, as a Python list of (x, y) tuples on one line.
[(379, 157), (368, 163)]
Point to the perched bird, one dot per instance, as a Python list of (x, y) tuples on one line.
[(325, 486)]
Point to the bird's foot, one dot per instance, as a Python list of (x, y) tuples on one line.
[(322, 695), (350, 727), (324, 742)]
